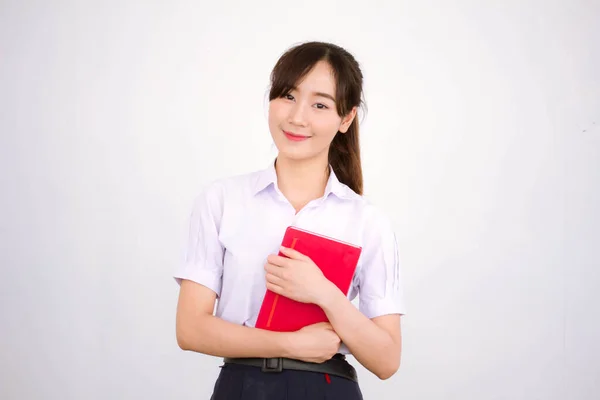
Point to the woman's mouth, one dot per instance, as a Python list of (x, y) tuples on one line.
[(294, 137)]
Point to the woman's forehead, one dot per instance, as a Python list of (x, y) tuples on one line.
[(320, 80)]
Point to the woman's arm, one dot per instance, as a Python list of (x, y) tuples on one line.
[(198, 330), (376, 343)]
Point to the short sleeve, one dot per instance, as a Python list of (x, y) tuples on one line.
[(380, 289), (203, 261)]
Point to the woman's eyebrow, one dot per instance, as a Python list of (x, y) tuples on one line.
[(326, 95), (318, 94)]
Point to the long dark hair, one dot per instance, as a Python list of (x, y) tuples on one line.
[(293, 65)]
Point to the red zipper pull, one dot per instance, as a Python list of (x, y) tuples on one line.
[(327, 378)]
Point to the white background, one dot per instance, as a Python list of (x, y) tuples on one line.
[(481, 141)]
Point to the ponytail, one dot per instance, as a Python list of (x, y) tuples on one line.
[(344, 157)]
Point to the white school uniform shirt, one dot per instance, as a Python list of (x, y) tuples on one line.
[(236, 222)]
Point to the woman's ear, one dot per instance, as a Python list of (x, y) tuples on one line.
[(347, 120)]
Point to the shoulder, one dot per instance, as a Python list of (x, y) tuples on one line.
[(220, 189), (376, 222), (212, 198), (371, 213), (365, 212)]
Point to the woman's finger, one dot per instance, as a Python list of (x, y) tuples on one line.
[(293, 254), (274, 270), (274, 288), (274, 279), (279, 260)]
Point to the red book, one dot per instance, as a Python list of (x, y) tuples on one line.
[(335, 258)]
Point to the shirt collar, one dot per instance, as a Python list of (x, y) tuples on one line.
[(268, 177)]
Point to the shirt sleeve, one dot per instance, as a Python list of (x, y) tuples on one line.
[(203, 261), (380, 288)]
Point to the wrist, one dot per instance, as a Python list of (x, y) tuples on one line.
[(328, 295), (286, 344)]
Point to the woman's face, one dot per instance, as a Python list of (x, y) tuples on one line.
[(304, 121)]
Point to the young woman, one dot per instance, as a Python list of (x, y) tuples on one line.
[(236, 229)]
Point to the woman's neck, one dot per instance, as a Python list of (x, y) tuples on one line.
[(301, 181)]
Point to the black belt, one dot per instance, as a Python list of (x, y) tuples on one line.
[(337, 365)]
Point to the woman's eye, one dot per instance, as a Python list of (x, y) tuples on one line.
[(321, 106), (288, 97)]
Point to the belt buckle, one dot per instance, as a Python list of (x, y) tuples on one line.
[(272, 365)]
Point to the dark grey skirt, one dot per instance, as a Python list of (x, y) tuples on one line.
[(250, 383)]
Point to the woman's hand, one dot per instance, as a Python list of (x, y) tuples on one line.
[(297, 277), (315, 343)]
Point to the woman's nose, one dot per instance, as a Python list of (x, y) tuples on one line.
[(298, 115)]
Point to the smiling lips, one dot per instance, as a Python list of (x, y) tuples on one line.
[(294, 137)]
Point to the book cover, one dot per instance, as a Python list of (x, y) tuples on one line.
[(336, 259)]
